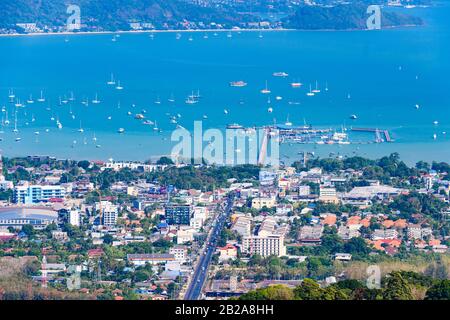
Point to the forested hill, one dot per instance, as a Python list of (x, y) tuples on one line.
[(344, 17), (114, 14)]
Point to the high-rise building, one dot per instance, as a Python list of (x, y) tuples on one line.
[(110, 213), (264, 245), (178, 214), (74, 218)]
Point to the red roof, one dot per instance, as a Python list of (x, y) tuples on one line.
[(95, 252), (58, 200)]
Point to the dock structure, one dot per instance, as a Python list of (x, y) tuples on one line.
[(378, 132)]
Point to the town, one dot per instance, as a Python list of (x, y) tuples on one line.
[(159, 231)]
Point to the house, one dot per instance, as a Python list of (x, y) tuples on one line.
[(228, 252), (261, 202), (343, 257), (310, 234), (185, 235)]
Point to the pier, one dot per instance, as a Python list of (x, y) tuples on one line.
[(378, 133)]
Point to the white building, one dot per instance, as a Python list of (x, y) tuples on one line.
[(180, 253), (110, 213), (29, 194), (264, 245), (74, 218)]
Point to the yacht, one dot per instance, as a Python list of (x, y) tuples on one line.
[(296, 84), (121, 130), (280, 74), (353, 117), (239, 83)]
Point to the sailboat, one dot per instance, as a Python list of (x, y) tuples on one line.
[(30, 100), (81, 130), (310, 93), (11, 94), (111, 81), (265, 90), (155, 128), (18, 103), (41, 98), (72, 97), (157, 101), (316, 90), (6, 118), (15, 130), (119, 86), (288, 123), (96, 101), (171, 99)]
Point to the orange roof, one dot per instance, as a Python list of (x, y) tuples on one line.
[(434, 242), (118, 298), (353, 220), (329, 220), (365, 222), (401, 223), (390, 242), (388, 223)]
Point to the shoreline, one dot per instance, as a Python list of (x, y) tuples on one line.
[(66, 33)]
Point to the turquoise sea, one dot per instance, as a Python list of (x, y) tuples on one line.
[(385, 73)]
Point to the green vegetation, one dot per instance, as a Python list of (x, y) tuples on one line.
[(395, 286), (344, 17)]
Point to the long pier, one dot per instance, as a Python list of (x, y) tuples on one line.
[(387, 136)]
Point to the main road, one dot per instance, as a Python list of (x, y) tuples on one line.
[(201, 271)]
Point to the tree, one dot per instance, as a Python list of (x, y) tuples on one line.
[(309, 290), (164, 161), (396, 288), (28, 230), (439, 291), (84, 164), (108, 239), (276, 292)]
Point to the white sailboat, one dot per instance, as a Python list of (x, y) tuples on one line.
[(119, 86), (111, 81), (310, 93), (41, 98), (96, 100), (316, 90), (266, 89)]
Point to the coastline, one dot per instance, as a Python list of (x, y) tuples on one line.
[(66, 33)]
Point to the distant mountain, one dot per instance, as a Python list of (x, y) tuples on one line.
[(344, 17)]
